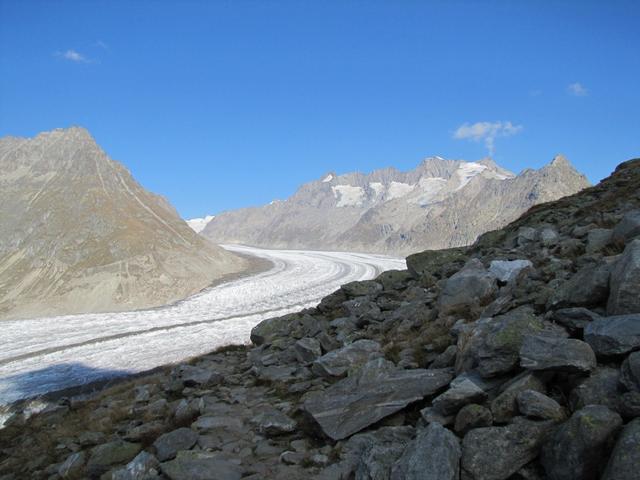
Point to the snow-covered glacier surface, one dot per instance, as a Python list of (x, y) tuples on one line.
[(48, 354)]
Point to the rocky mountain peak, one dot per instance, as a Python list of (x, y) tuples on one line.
[(72, 216)]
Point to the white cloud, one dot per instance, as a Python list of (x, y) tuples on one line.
[(487, 132), (577, 89), (102, 45), (73, 56)]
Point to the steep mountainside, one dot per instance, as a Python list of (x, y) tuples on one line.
[(517, 358), (440, 204), (79, 234)]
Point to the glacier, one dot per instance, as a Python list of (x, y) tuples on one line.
[(49, 354)]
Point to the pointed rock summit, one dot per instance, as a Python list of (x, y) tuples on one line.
[(79, 234), (441, 203)]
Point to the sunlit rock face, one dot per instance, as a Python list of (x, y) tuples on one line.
[(79, 234)]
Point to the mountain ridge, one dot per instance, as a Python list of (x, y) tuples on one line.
[(389, 211)]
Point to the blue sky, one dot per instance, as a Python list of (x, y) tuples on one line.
[(219, 105)]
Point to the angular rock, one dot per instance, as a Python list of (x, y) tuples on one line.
[(493, 346), (614, 335), (274, 422), (625, 282), (144, 467), (465, 392), (107, 455), (168, 445), (72, 468), (496, 453), (630, 372), (578, 448), (628, 227), (543, 352), (338, 362), (534, 404), (505, 406), (574, 319), (370, 394), (470, 288), (371, 454), (597, 239), (588, 287), (200, 466), (192, 376), (270, 329), (601, 388), (307, 350), (549, 236), (361, 288), (624, 463), (433, 455), (432, 262), (472, 416), (507, 270), (446, 358)]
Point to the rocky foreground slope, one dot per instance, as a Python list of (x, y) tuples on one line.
[(440, 204), (78, 234), (515, 358)]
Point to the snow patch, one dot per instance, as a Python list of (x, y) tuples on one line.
[(348, 195), (430, 188), (467, 171), (377, 187), (328, 178), (398, 189), (198, 224)]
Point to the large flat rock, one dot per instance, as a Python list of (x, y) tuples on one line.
[(375, 391)]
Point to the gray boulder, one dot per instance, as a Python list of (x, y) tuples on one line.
[(338, 362), (472, 416), (624, 463), (601, 388), (543, 352), (446, 358), (144, 467), (578, 448), (614, 335), (200, 466), (192, 376), (72, 468), (361, 288), (625, 282), (628, 227), (463, 393), (433, 455), (630, 372), (270, 329), (597, 239), (496, 453), (307, 350), (468, 289), (493, 345), (588, 287), (534, 404), (274, 422), (168, 444), (107, 455), (370, 394), (574, 319), (508, 270), (505, 406)]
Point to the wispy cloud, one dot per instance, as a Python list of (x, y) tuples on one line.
[(102, 45), (577, 89), (73, 56), (486, 132)]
